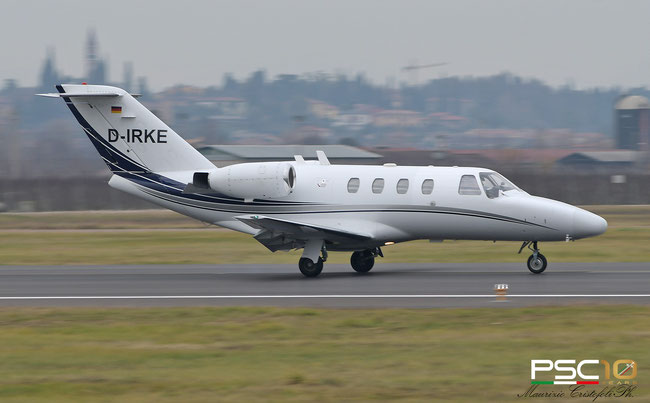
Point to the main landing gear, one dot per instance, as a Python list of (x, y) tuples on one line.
[(536, 262), (362, 261), (311, 262), (310, 269)]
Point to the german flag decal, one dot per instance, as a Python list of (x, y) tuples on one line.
[(116, 109)]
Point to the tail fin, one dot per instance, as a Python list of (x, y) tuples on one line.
[(127, 135)]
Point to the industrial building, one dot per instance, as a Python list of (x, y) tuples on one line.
[(222, 155), (632, 121), (601, 161)]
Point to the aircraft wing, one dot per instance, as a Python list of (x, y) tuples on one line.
[(281, 234)]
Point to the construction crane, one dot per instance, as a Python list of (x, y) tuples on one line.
[(413, 70)]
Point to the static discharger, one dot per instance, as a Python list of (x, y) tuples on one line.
[(501, 290)]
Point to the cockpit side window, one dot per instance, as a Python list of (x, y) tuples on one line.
[(490, 187), (468, 185), (493, 183)]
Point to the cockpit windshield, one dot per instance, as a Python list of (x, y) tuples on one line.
[(493, 183)]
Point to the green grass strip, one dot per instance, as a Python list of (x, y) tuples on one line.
[(302, 354)]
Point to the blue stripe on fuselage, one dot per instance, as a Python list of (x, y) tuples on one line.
[(164, 184)]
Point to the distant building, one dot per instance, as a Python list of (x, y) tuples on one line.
[(91, 53), (49, 75), (622, 160), (418, 157), (95, 66), (352, 121), (446, 120), (222, 155), (223, 108), (397, 118), (499, 159), (323, 110), (127, 77), (632, 122)]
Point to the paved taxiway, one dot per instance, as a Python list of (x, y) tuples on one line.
[(388, 285)]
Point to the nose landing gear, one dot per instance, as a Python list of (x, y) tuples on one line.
[(536, 262)]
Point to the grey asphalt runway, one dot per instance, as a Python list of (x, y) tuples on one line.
[(388, 285)]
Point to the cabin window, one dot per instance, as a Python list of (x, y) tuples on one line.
[(468, 185), (402, 186), (427, 186), (353, 185), (378, 185)]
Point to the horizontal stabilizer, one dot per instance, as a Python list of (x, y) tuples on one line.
[(81, 94)]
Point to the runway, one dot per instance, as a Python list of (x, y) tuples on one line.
[(387, 286)]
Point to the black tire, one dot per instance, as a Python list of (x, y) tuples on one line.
[(538, 265), (308, 268), (362, 262)]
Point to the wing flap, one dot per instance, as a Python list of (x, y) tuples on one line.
[(299, 230)]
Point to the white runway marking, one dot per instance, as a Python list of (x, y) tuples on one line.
[(340, 296)]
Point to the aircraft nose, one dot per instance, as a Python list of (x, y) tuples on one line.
[(586, 224)]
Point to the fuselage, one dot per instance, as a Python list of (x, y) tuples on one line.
[(391, 203)]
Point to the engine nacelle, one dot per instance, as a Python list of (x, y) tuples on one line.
[(255, 180)]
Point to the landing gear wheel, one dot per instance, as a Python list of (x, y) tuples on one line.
[(363, 261), (537, 264), (308, 268)]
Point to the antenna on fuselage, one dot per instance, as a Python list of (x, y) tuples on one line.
[(322, 158)]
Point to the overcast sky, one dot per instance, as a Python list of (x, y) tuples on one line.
[(586, 43)]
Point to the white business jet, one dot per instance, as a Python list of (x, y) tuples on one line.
[(313, 205)]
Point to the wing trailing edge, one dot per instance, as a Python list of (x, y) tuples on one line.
[(281, 234)]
